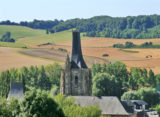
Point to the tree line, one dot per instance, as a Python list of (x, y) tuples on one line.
[(43, 78), (107, 80), (132, 45), (36, 24), (138, 27), (135, 84)]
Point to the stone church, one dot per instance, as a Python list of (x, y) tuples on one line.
[(76, 81), (76, 77)]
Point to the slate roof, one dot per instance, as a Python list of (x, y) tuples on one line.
[(139, 102), (152, 114), (16, 90), (109, 105)]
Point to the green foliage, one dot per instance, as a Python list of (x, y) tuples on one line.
[(9, 108), (132, 45), (61, 49), (150, 95), (7, 37), (43, 78), (38, 104), (129, 45), (130, 95), (138, 27), (157, 108), (118, 46), (119, 70), (70, 109), (37, 24), (105, 85), (117, 76), (139, 78), (119, 27)]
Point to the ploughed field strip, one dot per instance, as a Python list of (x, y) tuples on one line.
[(9, 59), (60, 56)]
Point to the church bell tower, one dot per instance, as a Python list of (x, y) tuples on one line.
[(76, 77)]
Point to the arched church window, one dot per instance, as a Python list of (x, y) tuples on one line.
[(76, 80)]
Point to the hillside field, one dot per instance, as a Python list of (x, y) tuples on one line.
[(131, 57), (9, 58), (92, 47)]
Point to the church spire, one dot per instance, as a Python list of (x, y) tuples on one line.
[(77, 60)]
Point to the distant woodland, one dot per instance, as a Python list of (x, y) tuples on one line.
[(138, 27)]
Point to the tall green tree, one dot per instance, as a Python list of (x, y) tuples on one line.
[(106, 85), (38, 104)]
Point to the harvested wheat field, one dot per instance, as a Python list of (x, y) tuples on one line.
[(107, 42), (10, 59), (60, 56), (150, 59), (97, 47)]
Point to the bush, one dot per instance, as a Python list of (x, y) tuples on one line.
[(157, 108), (61, 49), (130, 95)]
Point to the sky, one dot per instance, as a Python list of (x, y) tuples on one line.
[(27, 10)]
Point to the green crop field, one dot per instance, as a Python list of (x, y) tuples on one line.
[(32, 37), (15, 45), (44, 38), (18, 32)]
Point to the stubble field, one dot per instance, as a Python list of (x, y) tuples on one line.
[(10, 59), (134, 58)]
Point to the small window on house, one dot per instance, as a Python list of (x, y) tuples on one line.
[(76, 80)]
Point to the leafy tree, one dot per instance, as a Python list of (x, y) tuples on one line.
[(7, 38), (120, 72), (152, 79), (38, 104), (105, 85), (130, 95), (54, 73), (43, 80), (129, 45), (150, 95), (96, 68), (137, 78)]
